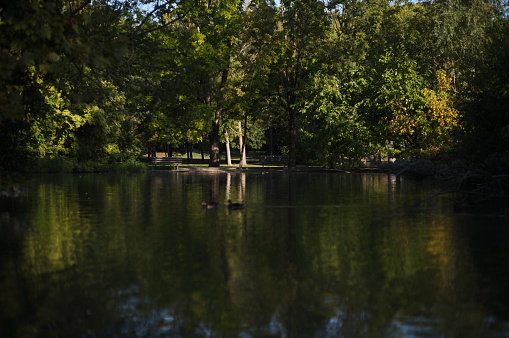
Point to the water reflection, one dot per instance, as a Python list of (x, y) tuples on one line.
[(310, 255)]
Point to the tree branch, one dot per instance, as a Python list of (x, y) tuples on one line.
[(83, 5), (151, 13)]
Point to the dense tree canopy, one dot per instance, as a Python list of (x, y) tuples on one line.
[(321, 81)]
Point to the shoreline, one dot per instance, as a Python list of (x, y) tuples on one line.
[(272, 169)]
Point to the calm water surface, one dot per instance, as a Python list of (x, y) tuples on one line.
[(310, 255)]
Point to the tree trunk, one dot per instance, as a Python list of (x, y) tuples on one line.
[(202, 149), (228, 153), (292, 137), (271, 140), (215, 161), (242, 147), (189, 150)]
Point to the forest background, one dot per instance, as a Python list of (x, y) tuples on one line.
[(106, 81)]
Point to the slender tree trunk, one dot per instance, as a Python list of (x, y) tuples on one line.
[(292, 76), (228, 153), (189, 150), (242, 147), (271, 140), (202, 149), (292, 132), (215, 160)]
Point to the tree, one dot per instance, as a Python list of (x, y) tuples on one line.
[(334, 125), (395, 108), (201, 40), (250, 92), (99, 80), (45, 48), (442, 117), (485, 137), (460, 35), (214, 29), (303, 25)]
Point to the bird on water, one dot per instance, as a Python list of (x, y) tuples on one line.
[(235, 205), (211, 205)]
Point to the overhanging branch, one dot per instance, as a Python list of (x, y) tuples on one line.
[(83, 5)]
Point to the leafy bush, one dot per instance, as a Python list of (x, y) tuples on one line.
[(63, 165), (53, 165), (88, 167), (129, 167)]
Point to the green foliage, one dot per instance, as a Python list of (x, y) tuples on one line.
[(460, 33), (109, 132), (65, 165), (484, 105), (303, 26), (129, 167), (442, 117), (49, 48), (35, 35), (53, 165), (105, 81), (393, 106), (331, 123)]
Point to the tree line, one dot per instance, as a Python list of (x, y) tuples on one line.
[(320, 81)]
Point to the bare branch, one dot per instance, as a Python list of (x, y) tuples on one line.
[(151, 13)]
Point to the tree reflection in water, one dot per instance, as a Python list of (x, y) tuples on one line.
[(311, 255)]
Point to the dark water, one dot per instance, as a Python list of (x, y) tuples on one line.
[(310, 255)]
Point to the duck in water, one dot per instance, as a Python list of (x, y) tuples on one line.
[(234, 206), (211, 205)]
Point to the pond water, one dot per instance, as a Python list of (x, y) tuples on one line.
[(310, 255)]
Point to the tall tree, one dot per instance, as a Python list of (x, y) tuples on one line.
[(334, 125), (251, 91), (216, 26), (460, 33), (303, 25), (204, 44), (484, 103)]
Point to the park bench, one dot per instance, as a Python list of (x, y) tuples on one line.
[(167, 161), (274, 159)]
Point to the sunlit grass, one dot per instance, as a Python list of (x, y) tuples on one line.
[(197, 161)]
